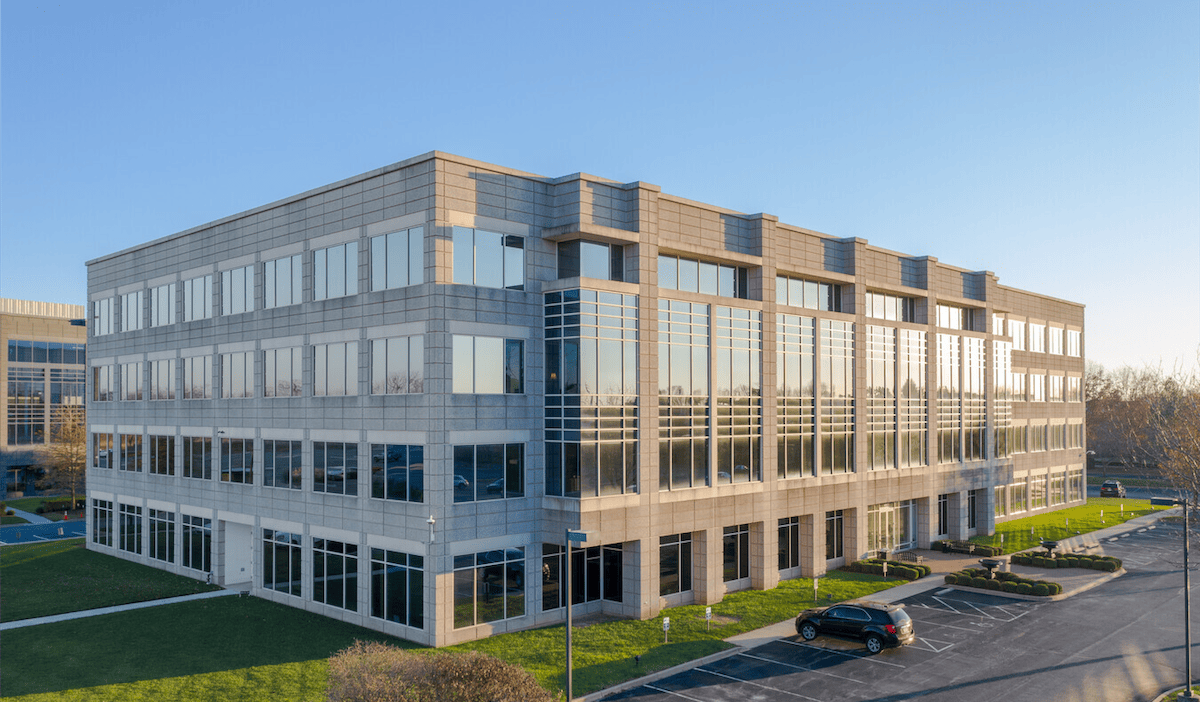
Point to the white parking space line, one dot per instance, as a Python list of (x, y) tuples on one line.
[(765, 687), (947, 606), (674, 694), (925, 623), (932, 644), (847, 654), (797, 667)]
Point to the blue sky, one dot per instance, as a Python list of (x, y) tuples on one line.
[(1056, 144)]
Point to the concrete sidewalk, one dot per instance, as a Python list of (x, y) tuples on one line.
[(37, 621), (30, 517)]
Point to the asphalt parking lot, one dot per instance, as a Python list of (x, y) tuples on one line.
[(1119, 641)]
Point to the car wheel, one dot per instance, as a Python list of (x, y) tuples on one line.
[(808, 631), (874, 643)]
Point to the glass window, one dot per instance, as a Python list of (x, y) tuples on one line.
[(397, 259), (131, 381), (237, 374), (197, 543), (335, 369), (1037, 338), (335, 271), (736, 548), (237, 288), (131, 311), (162, 535), (197, 378), (162, 380), (834, 536), (102, 448), (489, 586), (398, 587), (162, 455), (102, 317), (282, 372), (1074, 342), (674, 564), (131, 529), (335, 574), (398, 472), (281, 562), (398, 365), (1016, 330), (812, 294), (335, 468), (489, 472), (197, 457), (131, 452), (197, 298), (488, 259), (281, 464), (237, 461), (675, 273), (487, 365), (1055, 340), (281, 282), (162, 305), (102, 522), (789, 543)]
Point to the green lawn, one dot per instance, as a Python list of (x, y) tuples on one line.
[(54, 577), (1098, 513), (13, 520), (250, 649), (30, 504)]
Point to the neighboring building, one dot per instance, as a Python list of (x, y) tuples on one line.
[(384, 400), (44, 366)]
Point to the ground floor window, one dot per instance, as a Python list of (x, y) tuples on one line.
[(162, 535), (1058, 488), (489, 586), (943, 515), (892, 526), (102, 522), (596, 573), (833, 535), (1075, 484), (789, 543), (398, 587), (1016, 496), (131, 529), (1037, 492), (972, 509), (736, 552), (1001, 495), (197, 543), (674, 564), (335, 574), (281, 561)]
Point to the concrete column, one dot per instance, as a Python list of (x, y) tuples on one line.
[(812, 545), (707, 559), (764, 555), (985, 518), (926, 521), (958, 515), (854, 527)]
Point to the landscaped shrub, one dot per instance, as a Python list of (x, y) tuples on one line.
[(1050, 563), (1055, 588), (1025, 588), (992, 584), (1107, 566), (951, 579), (1041, 590), (1009, 586), (375, 672), (979, 582)]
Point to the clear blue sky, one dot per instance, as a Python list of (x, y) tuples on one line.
[(1056, 144)]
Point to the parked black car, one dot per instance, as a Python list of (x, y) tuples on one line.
[(876, 624), (1112, 488)]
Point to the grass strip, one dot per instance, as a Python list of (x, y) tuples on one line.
[(55, 577), (1098, 513)]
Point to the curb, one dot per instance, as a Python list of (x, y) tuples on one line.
[(733, 650), (1107, 577)]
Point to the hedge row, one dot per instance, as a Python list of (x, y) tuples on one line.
[(1108, 564), (895, 569), (946, 546), (1003, 582), (60, 505)]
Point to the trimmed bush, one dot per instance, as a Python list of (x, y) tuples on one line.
[(1107, 566), (1025, 588), (1009, 586), (1041, 590), (375, 672), (1051, 563), (951, 579), (992, 584), (979, 582)]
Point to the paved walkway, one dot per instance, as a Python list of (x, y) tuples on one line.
[(37, 621), (30, 517)]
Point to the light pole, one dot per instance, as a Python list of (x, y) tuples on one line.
[(573, 537), (1187, 589)]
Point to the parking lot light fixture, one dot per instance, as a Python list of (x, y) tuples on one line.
[(1187, 589)]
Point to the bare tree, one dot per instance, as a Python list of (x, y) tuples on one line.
[(66, 459)]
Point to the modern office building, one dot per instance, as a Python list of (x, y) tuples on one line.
[(44, 365), (386, 399)]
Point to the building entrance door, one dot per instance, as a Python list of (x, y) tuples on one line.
[(239, 553)]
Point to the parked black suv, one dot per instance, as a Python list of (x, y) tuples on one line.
[(1112, 488), (876, 624)]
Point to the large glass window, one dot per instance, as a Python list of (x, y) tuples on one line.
[(102, 522), (197, 378), (1016, 496), (951, 317), (795, 370), (197, 543), (335, 574), (27, 405), (683, 396), (789, 543), (488, 259), (102, 381), (892, 308), (131, 310), (281, 562), (489, 472), (736, 549), (1074, 391), (589, 259), (53, 352), (398, 365), (131, 452), (335, 369), (281, 464), (335, 467), (283, 373), (596, 573), (102, 445), (398, 587), (881, 397), (1074, 342), (237, 374), (237, 461), (398, 472), (162, 535), (812, 294), (335, 271), (398, 259), (1055, 391), (737, 389), (837, 397), (1054, 340), (1037, 338), (974, 401), (162, 305), (489, 586), (1002, 396), (162, 379), (102, 317), (281, 282), (834, 535), (1037, 387), (131, 381), (197, 457), (1037, 492), (197, 298), (1016, 331), (237, 287), (162, 455), (949, 407), (690, 275), (674, 564), (487, 365), (892, 526), (131, 529), (913, 401)]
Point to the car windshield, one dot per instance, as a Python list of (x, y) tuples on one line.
[(900, 617)]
